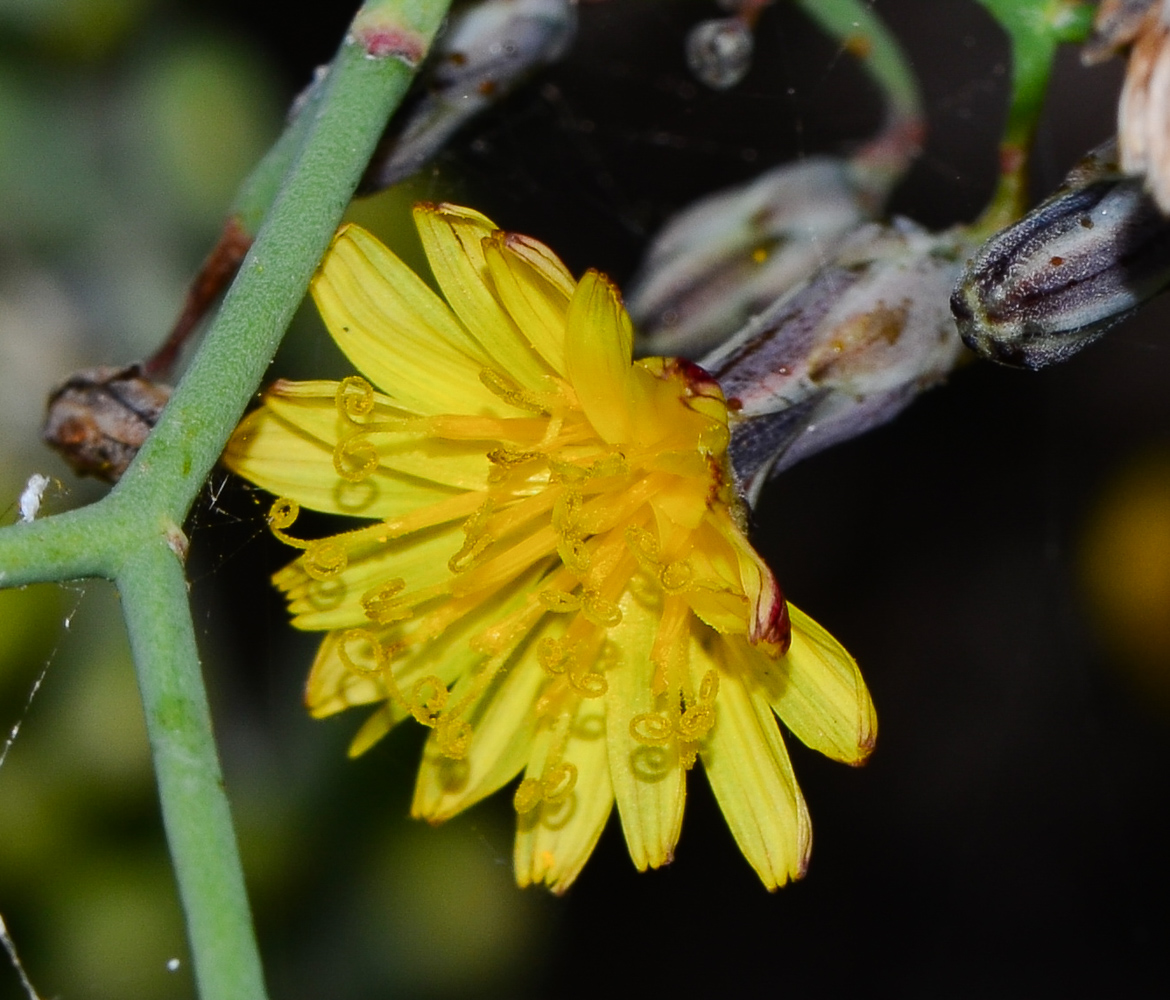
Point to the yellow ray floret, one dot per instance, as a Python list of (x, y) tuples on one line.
[(553, 572)]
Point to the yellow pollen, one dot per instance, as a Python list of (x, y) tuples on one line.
[(652, 728), (325, 558), (354, 397), (677, 576), (599, 611), (528, 796), (500, 385), (427, 699), (555, 656), (281, 515), (355, 458), (559, 601), (476, 539), (380, 605)]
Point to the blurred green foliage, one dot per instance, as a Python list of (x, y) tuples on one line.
[(125, 129)]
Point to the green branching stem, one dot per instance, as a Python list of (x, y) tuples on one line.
[(853, 23), (195, 809), (1034, 28), (131, 536), (864, 35)]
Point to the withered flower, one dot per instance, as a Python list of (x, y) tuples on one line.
[(99, 418), (1143, 114), (732, 254), (843, 354), (1042, 289)]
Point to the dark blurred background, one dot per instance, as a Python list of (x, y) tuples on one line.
[(998, 559)]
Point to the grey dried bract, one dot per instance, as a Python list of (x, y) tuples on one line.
[(733, 253), (487, 49), (99, 418), (1042, 289), (843, 353), (1116, 25)]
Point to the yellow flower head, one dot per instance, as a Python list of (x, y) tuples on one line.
[(557, 579)]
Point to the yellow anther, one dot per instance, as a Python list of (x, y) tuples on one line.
[(558, 782), (567, 512), (574, 553), (698, 717), (645, 548), (476, 540), (695, 722), (454, 737), (598, 611), (611, 465), (588, 683), (559, 601), (470, 554), (528, 795), (510, 457), (355, 459), (355, 635), (281, 515), (500, 385), (324, 559), (651, 727), (567, 472), (354, 397), (427, 699), (380, 605), (708, 688), (555, 656), (677, 576)]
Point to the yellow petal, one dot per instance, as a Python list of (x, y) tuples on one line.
[(537, 305), (554, 840), (333, 686), (311, 407), (291, 463), (767, 605), (751, 776), (419, 560), (819, 693), (374, 728), (503, 725), (598, 344), (397, 332), (452, 238), (542, 260), (649, 782)]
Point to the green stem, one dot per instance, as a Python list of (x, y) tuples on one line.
[(66, 546), (1034, 28), (865, 35), (263, 184), (357, 98), (195, 809), (884, 160), (132, 536)]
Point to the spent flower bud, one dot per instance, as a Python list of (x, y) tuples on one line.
[(486, 51), (1143, 113), (1045, 287), (99, 418), (1116, 25), (733, 253), (842, 354)]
